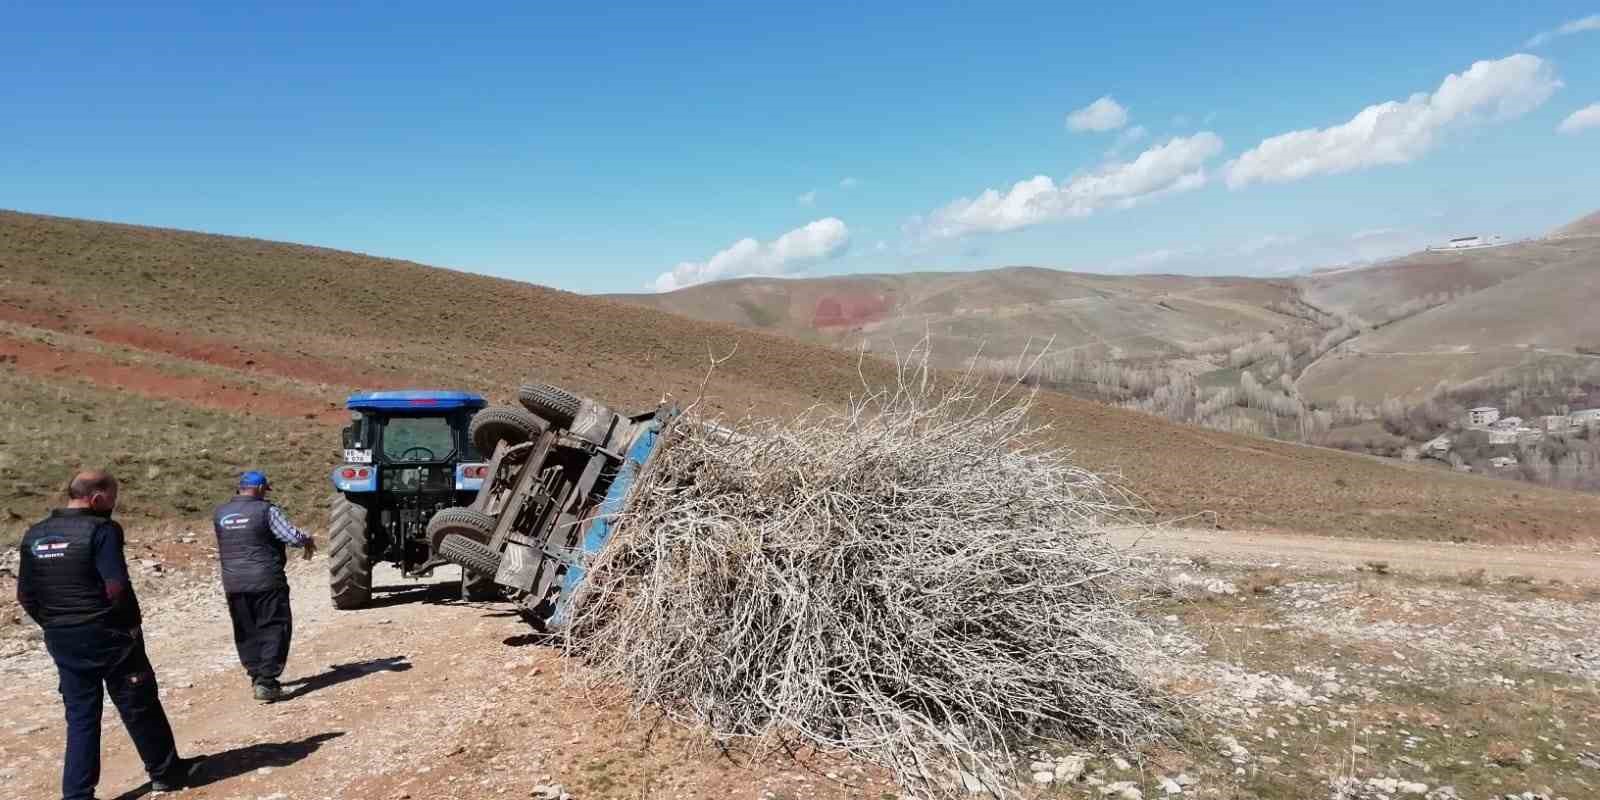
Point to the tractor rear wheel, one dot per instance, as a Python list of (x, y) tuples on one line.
[(453, 526), (554, 404), (349, 563), (508, 424)]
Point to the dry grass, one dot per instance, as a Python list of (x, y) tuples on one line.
[(905, 581), (1264, 581), (174, 461), (315, 314)]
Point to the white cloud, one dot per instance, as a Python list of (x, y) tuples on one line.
[(1587, 118), (1277, 254), (849, 183), (1589, 23), (789, 253), (1265, 242), (1126, 139), (1104, 114), (1157, 260), (1400, 131), (1178, 165), (808, 199)]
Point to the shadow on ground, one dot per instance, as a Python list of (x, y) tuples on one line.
[(436, 593), (340, 673), (245, 760)]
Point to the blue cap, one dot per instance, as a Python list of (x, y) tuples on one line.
[(253, 480)]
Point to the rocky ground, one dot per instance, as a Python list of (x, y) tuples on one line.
[(1316, 683)]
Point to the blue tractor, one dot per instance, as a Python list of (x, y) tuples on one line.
[(407, 455), (559, 470)]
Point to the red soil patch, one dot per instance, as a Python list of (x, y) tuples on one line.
[(217, 352), (842, 310), (147, 381)]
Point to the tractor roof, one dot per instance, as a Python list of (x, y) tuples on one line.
[(415, 401)]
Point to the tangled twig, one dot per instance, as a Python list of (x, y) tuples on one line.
[(914, 581)]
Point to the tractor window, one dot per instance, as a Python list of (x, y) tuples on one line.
[(418, 439)]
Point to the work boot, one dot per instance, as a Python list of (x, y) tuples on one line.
[(178, 776), (269, 692)]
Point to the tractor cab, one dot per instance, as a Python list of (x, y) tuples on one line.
[(410, 442), (407, 454)]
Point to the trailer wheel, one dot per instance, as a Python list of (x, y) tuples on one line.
[(554, 404), (349, 563), (508, 424), (475, 528), (473, 556)]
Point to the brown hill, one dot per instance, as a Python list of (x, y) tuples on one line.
[(180, 357), (998, 312), (1500, 308), (1586, 226)]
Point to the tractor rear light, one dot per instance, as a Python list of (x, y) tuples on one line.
[(363, 473), (347, 473)]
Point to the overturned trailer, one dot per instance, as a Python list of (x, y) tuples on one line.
[(561, 470)]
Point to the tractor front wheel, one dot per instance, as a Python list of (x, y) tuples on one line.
[(349, 562)]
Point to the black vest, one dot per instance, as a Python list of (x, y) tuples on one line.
[(59, 571), (252, 558)]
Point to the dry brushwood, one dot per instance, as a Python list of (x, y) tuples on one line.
[(912, 581)]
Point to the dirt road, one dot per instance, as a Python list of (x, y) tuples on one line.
[(420, 696), (423, 696), (1573, 565)]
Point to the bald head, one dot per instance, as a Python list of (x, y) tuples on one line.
[(93, 489)]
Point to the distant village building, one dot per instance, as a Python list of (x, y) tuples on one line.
[(1470, 242), (1482, 416), (1438, 444), (1502, 436), (1506, 423), (1503, 462), (1555, 423), (1584, 418)]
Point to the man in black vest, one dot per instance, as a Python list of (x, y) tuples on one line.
[(252, 537), (74, 583)]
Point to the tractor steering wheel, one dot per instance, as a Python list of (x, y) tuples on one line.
[(411, 450)]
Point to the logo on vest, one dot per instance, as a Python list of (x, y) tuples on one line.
[(235, 522), (51, 547)]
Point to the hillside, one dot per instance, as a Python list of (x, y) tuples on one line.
[(995, 312), (179, 357), (1521, 305), (1587, 226)]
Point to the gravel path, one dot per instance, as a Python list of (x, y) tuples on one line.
[(1575, 565)]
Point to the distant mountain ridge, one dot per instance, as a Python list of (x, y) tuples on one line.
[(1451, 315)]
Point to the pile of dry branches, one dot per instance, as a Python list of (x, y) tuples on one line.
[(914, 581)]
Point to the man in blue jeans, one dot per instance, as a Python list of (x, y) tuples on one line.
[(74, 583)]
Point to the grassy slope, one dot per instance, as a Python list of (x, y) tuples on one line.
[(366, 321), (175, 461)]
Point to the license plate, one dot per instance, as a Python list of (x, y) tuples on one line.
[(358, 456)]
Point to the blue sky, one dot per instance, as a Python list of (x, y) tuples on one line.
[(623, 148)]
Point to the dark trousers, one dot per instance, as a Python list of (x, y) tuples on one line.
[(94, 660), (262, 626)]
